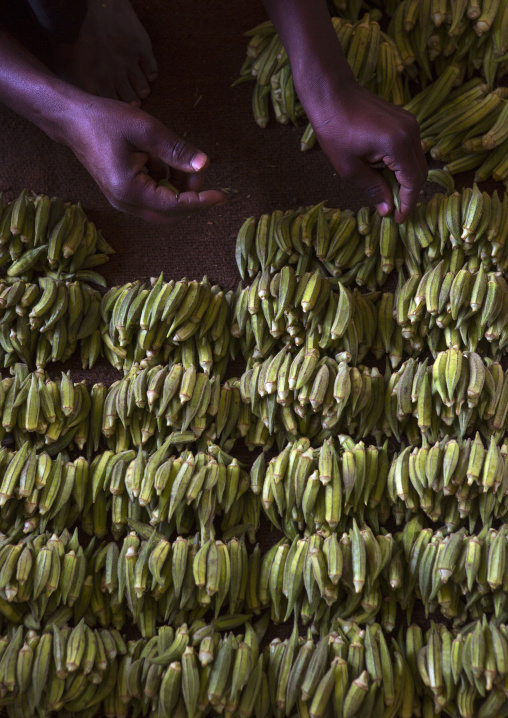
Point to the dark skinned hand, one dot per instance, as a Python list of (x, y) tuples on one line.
[(357, 129), (117, 143)]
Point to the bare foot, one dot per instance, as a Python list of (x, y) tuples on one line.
[(112, 56)]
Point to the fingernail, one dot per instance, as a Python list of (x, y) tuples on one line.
[(383, 209), (199, 161)]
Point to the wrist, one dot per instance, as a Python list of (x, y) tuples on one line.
[(322, 84), (310, 39), (59, 109), (31, 90), (321, 66)]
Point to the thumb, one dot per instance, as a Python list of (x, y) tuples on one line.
[(375, 186), (159, 141)]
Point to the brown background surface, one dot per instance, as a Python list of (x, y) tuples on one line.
[(200, 48)]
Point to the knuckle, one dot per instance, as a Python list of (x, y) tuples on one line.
[(404, 133), (400, 136), (146, 127), (412, 119), (390, 161), (373, 191), (179, 150)]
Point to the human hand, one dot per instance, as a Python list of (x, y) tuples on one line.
[(117, 143), (357, 129)]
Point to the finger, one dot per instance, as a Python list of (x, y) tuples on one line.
[(162, 217), (139, 82), (374, 185), (153, 137), (148, 64), (411, 178), (144, 193), (126, 93), (188, 202)]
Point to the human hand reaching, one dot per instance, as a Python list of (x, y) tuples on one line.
[(117, 144), (358, 129), (355, 128)]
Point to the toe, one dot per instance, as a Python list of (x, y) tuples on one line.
[(127, 93), (149, 66), (139, 82)]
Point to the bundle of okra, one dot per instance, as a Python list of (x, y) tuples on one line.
[(149, 579), (372, 55), (49, 250), (182, 492), (466, 308), (467, 227), (319, 490), (193, 670), (300, 490), (142, 409), (303, 393), (39, 235), (311, 395), (185, 321), (431, 35)]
